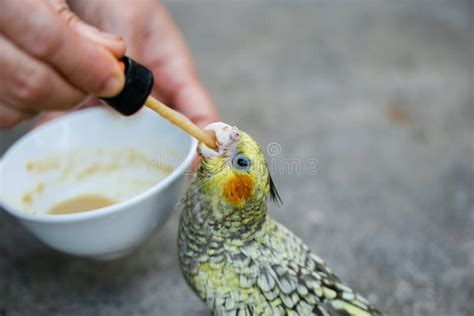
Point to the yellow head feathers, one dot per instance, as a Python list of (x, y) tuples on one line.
[(236, 174)]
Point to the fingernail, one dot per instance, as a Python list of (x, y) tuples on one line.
[(94, 33), (110, 36), (113, 85)]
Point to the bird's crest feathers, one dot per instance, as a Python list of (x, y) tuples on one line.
[(274, 195)]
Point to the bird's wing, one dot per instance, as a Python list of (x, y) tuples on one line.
[(300, 281), (188, 233)]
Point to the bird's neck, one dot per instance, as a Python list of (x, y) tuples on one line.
[(240, 223), (223, 222)]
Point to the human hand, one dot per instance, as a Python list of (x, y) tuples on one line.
[(50, 60), (154, 40)]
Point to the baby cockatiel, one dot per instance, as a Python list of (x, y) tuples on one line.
[(237, 258)]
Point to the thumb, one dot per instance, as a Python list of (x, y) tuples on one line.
[(114, 43)]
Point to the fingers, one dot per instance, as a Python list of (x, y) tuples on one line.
[(154, 40), (10, 117), (47, 36), (176, 81), (28, 84), (114, 43)]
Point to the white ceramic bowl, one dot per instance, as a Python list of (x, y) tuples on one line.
[(140, 162)]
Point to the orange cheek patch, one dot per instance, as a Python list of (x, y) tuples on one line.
[(238, 189)]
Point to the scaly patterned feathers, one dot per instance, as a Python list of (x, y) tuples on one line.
[(238, 259)]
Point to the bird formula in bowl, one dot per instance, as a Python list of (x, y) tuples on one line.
[(94, 183), (87, 178)]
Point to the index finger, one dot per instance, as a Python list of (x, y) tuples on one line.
[(46, 36)]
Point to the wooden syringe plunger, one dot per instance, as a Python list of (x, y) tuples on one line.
[(136, 93), (181, 121)]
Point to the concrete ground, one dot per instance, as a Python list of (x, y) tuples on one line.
[(376, 95)]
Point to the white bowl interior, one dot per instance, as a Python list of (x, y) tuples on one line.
[(90, 152)]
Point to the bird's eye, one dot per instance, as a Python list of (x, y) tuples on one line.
[(241, 162)]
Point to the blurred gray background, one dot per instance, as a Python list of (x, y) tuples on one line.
[(379, 93)]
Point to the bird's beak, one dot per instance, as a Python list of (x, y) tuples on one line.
[(226, 137)]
